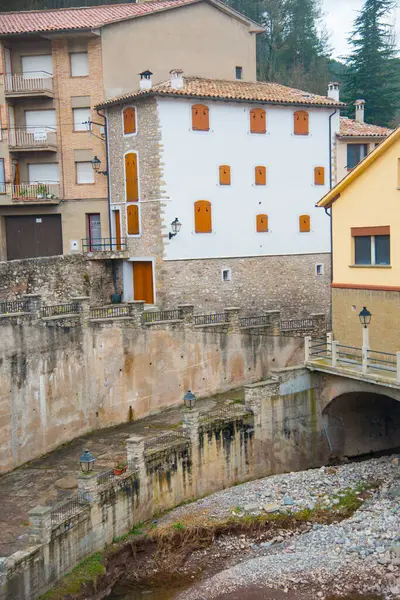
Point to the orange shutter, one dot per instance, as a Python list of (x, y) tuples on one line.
[(131, 177), (117, 225), (319, 175), (202, 216), (258, 120), (200, 117), (260, 175), (300, 122), (224, 175), (129, 120), (262, 223), (133, 219), (304, 223)]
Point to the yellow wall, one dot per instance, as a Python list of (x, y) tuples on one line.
[(372, 199)]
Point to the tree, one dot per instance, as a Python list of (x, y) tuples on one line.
[(371, 65)]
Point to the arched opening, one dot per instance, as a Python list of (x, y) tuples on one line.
[(359, 423)]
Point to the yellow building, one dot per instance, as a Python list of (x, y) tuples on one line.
[(365, 212)]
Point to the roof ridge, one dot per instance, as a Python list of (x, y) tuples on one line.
[(69, 8)]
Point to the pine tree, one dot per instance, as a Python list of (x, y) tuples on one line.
[(371, 66)]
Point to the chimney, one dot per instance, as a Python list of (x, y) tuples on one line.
[(176, 79), (145, 80), (360, 105), (333, 90)]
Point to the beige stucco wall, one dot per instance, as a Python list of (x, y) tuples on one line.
[(199, 39), (341, 152)]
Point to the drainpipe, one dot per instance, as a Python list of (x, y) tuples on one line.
[(330, 184), (107, 169)]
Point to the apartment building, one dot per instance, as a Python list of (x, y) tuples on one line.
[(56, 65), (213, 190)]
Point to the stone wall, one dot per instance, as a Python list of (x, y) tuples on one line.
[(57, 278)]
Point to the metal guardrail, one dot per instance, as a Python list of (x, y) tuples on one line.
[(67, 509), (104, 244), (162, 315), (32, 191), (32, 137), (13, 306), (210, 319), (56, 310), (297, 324), (254, 321), (109, 312), (35, 81)]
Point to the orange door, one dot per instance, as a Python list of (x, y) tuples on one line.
[(131, 177), (117, 225), (143, 281)]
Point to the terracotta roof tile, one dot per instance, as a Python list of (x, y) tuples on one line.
[(89, 17), (351, 127), (199, 87)]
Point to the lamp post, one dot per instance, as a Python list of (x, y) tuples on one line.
[(175, 228), (189, 399), (365, 319), (96, 162), (86, 461)]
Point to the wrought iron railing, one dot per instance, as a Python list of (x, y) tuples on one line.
[(255, 321), (104, 244), (210, 319), (319, 348), (13, 306), (109, 312), (35, 81), (165, 441), (162, 315), (67, 509), (56, 310), (294, 324), (32, 191), (29, 137)]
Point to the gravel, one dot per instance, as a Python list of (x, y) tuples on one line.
[(362, 552)]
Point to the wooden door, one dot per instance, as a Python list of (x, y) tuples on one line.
[(117, 227), (143, 281)]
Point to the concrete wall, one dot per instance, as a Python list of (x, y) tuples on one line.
[(341, 152), (214, 44)]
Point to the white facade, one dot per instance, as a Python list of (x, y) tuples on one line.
[(191, 172)]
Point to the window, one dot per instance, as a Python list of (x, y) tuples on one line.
[(84, 173), (129, 117), (239, 72), (2, 177), (94, 227), (304, 224), (132, 213), (131, 177), (262, 223), (202, 216), (43, 173), (226, 274), (260, 175), (371, 245), (81, 119), (258, 120), (319, 176), (40, 120), (37, 66), (355, 153), (79, 64), (224, 175), (300, 126), (200, 117), (319, 269)]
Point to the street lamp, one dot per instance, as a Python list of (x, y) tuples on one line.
[(365, 319), (96, 162), (175, 227), (86, 461), (189, 399)]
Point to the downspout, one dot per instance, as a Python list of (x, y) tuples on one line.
[(330, 186), (107, 169)]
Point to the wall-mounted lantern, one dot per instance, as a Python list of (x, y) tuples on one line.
[(96, 162), (86, 461), (365, 319), (175, 228), (189, 399)]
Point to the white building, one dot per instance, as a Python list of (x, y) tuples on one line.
[(241, 165)]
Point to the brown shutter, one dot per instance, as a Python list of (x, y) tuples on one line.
[(319, 175), (260, 175), (129, 120), (225, 175), (304, 223), (258, 120), (133, 219), (202, 216), (131, 177), (200, 117), (300, 122), (262, 223)]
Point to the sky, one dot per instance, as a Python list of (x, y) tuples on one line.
[(339, 17)]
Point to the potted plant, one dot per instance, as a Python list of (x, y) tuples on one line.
[(42, 191), (120, 466)]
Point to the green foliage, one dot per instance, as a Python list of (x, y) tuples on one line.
[(87, 571), (373, 71), (178, 526)]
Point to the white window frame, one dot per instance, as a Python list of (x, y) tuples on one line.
[(84, 162), (71, 54), (133, 235), (75, 123), (127, 135), (226, 270), (319, 269)]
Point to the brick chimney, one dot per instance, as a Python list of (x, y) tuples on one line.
[(333, 90), (360, 106), (176, 78), (145, 80)]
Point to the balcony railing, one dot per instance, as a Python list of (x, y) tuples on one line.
[(25, 138), (104, 245), (36, 82), (31, 191)]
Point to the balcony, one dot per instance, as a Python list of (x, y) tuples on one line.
[(37, 83), (23, 139), (105, 248), (32, 193)]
